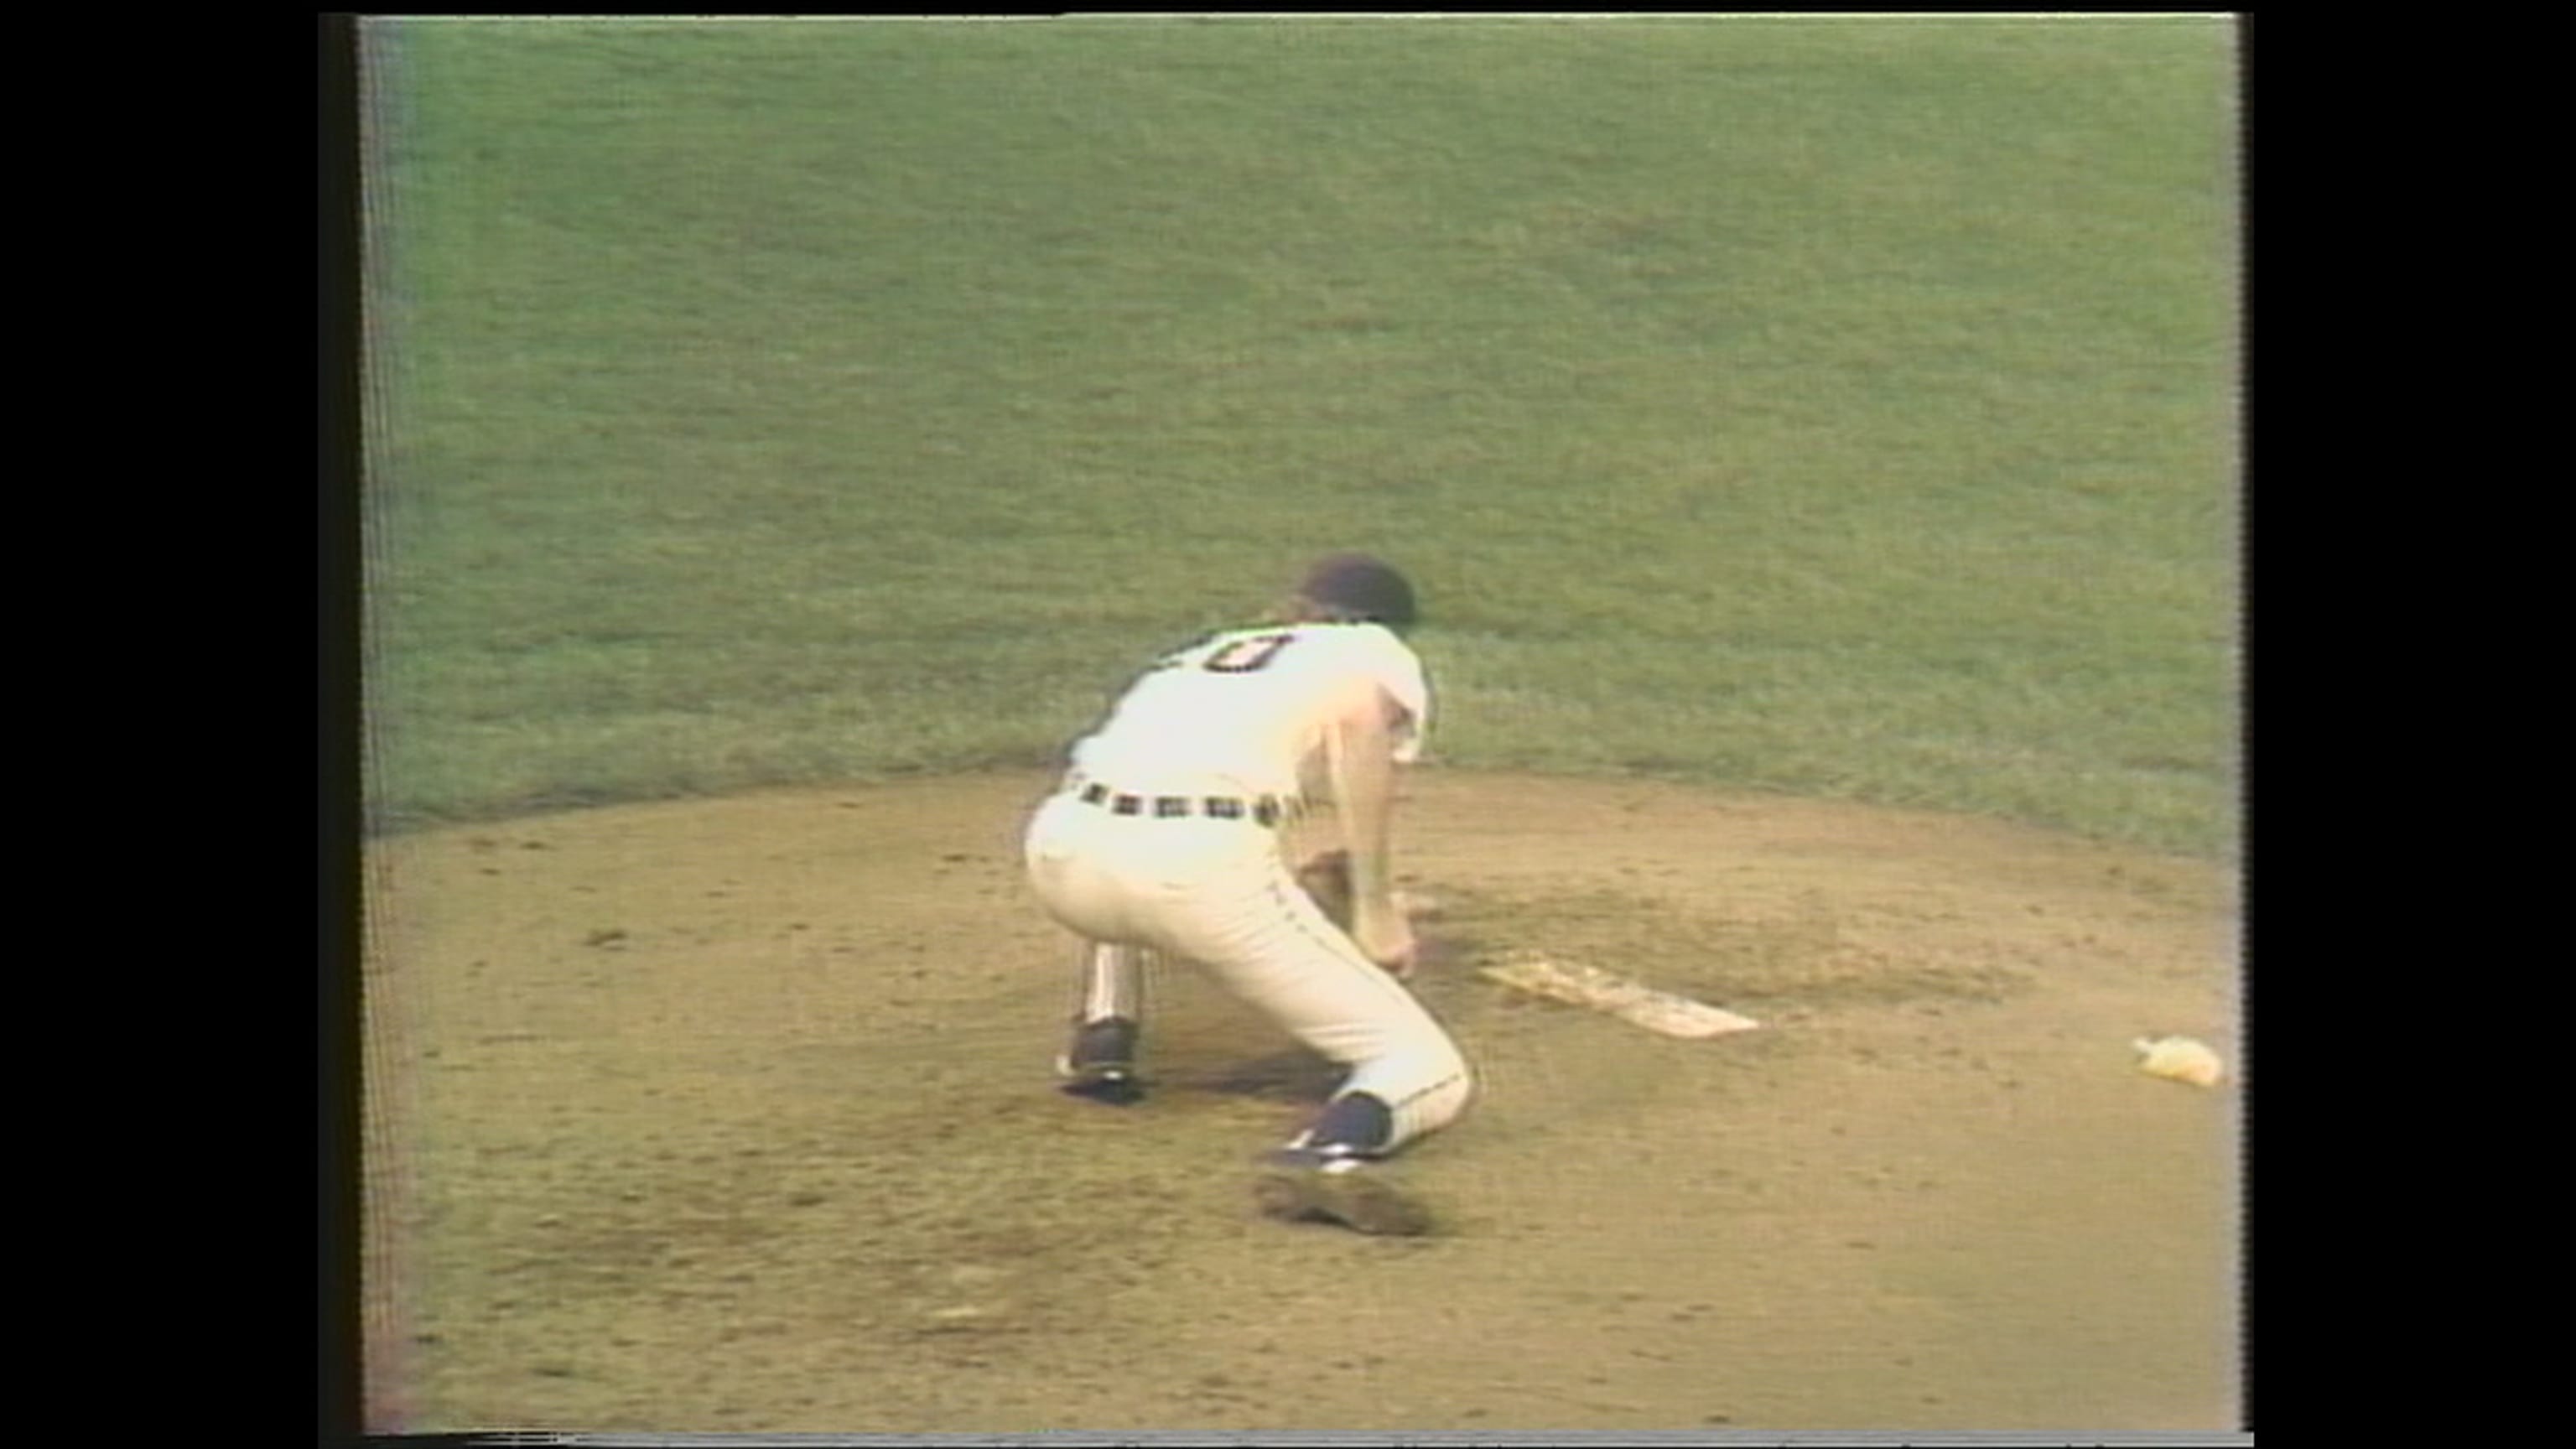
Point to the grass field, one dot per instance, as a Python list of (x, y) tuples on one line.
[(1837, 406)]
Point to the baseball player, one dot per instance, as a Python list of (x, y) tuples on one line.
[(1164, 837)]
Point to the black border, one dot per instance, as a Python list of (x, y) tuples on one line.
[(339, 657)]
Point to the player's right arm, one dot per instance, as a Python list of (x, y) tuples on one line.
[(1360, 746)]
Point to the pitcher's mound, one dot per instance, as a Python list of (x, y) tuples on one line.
[(735, 1116)]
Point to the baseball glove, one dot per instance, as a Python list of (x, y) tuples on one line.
[(1327, 878)]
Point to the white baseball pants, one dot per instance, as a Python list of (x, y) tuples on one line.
[(1218, 892)]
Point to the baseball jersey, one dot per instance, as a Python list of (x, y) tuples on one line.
[(1250, 706)]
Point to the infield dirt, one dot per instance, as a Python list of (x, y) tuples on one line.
[(736, 1116)]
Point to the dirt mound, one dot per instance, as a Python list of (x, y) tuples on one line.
[(735, 1116)]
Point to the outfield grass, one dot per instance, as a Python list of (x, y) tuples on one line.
[(1838, 406)]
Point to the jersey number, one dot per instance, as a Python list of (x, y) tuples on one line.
[(1243, 656)]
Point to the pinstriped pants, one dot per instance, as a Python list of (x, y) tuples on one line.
[(1218, 893)]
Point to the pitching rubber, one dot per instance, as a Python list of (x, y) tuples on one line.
[(1603, 991)]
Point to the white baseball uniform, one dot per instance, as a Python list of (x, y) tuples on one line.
[(1164, 837)]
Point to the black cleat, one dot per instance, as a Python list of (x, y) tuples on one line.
[(1101, 1063), (1111, 1086)]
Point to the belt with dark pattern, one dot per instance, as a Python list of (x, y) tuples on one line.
[(1267, 811)]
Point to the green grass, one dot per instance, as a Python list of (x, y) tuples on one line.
[(1839, 406)]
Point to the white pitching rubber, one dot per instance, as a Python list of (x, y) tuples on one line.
[(1638, 1005)]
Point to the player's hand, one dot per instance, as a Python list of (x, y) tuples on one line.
[(1386, 937)]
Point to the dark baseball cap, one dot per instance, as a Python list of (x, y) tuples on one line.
[(1359, 584)]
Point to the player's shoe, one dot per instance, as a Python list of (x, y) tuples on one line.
[(1306, 1184), (1101, 1063)]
